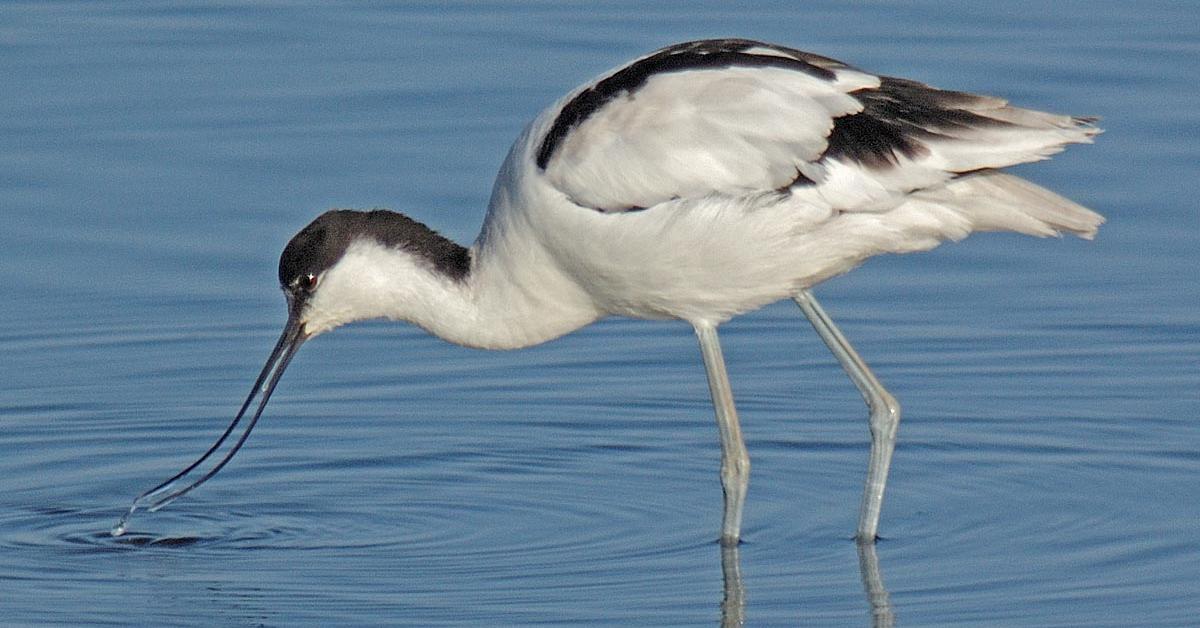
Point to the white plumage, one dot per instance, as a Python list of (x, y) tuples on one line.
[(728, 131), (698, 182)]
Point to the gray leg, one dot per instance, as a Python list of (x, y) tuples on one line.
[(885, 413), (735, 462)]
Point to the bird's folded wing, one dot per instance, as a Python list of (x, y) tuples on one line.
[(732, 117)]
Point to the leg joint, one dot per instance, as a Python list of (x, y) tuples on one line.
[(735, 468), (885, 416)]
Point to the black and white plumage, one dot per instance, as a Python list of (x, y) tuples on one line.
[(733, 117), (699, 182)]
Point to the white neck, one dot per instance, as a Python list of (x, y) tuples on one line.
[(509, 299)]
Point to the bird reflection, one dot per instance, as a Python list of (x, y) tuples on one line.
[(877, 594), (733, 605)]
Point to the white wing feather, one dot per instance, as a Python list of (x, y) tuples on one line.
[(688, 134), (750, 129)]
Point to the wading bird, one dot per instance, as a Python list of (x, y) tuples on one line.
[(698, 182)]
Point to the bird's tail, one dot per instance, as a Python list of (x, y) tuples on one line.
[(996, 201)]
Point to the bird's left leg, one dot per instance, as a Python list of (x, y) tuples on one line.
[(885, 413), (735, 462)]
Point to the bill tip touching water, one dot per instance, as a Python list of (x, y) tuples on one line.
[(699, 182)]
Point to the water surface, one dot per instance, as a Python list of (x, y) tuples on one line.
[(155, 158)]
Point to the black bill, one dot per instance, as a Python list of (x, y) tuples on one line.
[(161, 495)]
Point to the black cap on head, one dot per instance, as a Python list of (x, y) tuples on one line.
[(323, 242)]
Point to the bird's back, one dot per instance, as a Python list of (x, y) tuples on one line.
[(712, 177)]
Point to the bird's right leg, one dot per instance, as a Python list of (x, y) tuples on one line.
[(735, 462), (885, 413)]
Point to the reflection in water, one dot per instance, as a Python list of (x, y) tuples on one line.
[(733, 606), (877, 595)]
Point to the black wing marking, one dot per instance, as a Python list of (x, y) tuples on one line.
[(695, 55)]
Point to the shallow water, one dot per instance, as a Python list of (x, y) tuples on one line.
[(155, 158)]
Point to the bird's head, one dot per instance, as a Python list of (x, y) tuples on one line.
[(344, 266), (307, 275), (336, 270)]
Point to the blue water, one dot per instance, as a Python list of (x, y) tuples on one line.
[(156, 157)]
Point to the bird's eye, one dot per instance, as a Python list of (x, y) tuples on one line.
[(309, 281)]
